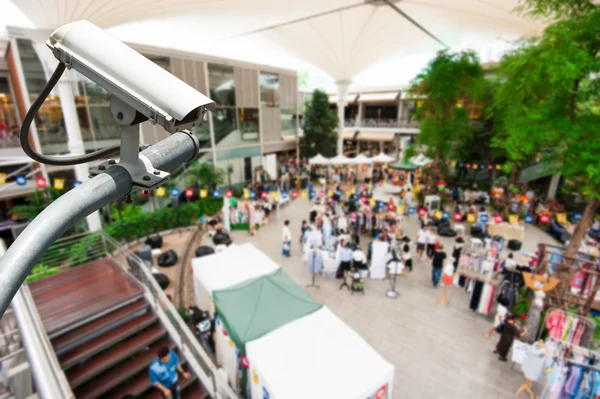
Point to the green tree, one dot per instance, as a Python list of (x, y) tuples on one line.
[(35, 203), (320, 125), (548, 100), (449, 81), (204, 174)]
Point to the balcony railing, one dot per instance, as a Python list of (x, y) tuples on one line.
[(386, 123)]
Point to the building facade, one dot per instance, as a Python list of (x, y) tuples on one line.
[(377, 121), (256, 114)]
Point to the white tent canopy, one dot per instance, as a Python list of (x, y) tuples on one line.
[(233, 265), (361, 159), (383, 158), (318, 160), (421, 160), (317, 357), (339, 160)]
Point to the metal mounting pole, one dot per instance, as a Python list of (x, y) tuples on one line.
[(76, 204)]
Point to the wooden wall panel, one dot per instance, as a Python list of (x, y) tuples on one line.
[(246, 87), (270, 119), (288, 93)]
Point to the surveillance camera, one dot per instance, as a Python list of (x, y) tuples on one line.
[(152, 92)]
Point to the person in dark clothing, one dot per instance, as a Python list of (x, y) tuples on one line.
[(457, 250), (437, 263), (511, 330)]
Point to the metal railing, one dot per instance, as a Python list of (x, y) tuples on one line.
[(386, 123), (50, 380), (200, 361)]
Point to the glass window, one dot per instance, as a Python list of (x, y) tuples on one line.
[(102, 124), (225, 126), (202, 132), (239, 164), (222, 84), (288, 122), (269, 89), (249, 130), (49, 119), (9, 124)]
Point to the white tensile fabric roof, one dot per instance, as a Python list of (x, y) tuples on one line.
[(383, 158), (318, 160), (340, 160), (342, 37), (361, 159), (231, 266), (318, 357)]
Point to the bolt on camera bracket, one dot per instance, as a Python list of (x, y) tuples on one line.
[(143, 175)]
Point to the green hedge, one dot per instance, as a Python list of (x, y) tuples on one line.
[(144, 224)]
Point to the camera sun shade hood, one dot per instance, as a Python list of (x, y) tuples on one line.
[(154, 93)]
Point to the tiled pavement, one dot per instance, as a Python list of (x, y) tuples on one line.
[(438, 352)]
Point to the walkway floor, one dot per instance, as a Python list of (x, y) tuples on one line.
[(438, 352)]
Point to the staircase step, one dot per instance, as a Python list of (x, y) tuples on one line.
[(97, 327), (141, 383), (184, 385), (107, 359), (107, 381), (104, 341), (195, 391)]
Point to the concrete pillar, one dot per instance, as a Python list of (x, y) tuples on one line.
[(357, 146), (553, 186), (342, 92), (400, 110), (69, 111), (381, 146)]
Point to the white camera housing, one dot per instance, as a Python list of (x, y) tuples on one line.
[(152, 92)]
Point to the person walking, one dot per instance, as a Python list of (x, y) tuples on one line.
[(327, 232), (512, 329), (164, 373), (286, 237), (437, 263), (422, 237), (431, 242)]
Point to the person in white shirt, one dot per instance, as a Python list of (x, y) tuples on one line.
[(327, 230), (431, 241), (286, 237), (422, 237), (408, 199), (510, 263)]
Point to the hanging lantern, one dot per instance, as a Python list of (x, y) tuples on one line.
[(445, 215), (245, 362), (304, 194), (545, 218), (490, 167), (577, 216), (498, 219), (294, 194), (412, 210), (468, 166), (274, 195), (77, 183), (145, 193), (471, 217), (498, 167), (529, 218), (400, 208), (175, 193), (372, 202), (2, 178), (482, 166), (475, 166), (322, 193), (422, 212), (391, 207), (229, 193), (21, 180), (513, 219), (246, 194), (160, 192), (458, 217), (561, 217), (189, 192), (59, 184), (264, 195), (203, 193), (40, 182), (441, 185), (439, 214), (453, 164), (216, 193)]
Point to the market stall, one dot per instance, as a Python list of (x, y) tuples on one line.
[(233, 265), (317, 356), (507, 231), (249, 310), (318, 160)]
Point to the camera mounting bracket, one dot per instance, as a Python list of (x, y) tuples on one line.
[(143, 175)]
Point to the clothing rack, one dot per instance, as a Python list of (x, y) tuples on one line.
[(574, 315)]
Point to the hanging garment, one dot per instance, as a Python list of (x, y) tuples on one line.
[(482, 307), (532, 322), (533, 364), (586, 337), (555, 323), (491, 300), (476, 295), (315, 261)]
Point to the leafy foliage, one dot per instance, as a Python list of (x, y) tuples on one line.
[(319, 127), (143, 224), (204, 174), (36, 203), (555, 9), (446, 84), (40, 271)]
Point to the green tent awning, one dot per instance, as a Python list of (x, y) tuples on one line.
[(254, 308), (404, 165)]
